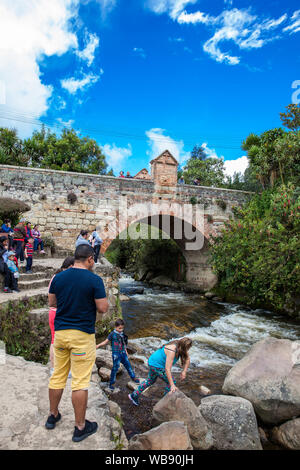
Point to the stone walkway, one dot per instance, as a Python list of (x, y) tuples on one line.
[(24, 410)]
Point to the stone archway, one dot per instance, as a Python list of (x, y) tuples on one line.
[(199, 273)]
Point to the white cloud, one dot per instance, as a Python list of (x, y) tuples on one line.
[(236, 166), (197, 17), (107, 5), (88, 53), (116, 156), (72, 84), (239, 26), (140, 52), (172, 7), (159, 142), (29, 30), (294, 27)]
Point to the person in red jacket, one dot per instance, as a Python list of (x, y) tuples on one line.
[(18, 239)]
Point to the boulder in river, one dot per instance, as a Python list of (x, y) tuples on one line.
[(167, 436), (178, 407), (104, 374), (164, 281), (269, 377), (209, 295), (232, 421), (124, 298), (288, 434), (133, 290)]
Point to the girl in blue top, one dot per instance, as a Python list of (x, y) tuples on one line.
[(160, 364)]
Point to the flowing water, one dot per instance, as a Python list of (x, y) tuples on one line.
[(222, 333)]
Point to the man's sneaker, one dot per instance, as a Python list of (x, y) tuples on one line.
[(51, 421), (29, 272), (136, 381), (16, 290), (7, 290), (135, 401), (89, 428)]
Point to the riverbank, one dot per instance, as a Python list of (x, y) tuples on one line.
[(25, 406)]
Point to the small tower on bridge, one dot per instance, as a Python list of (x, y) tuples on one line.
[(164, 169)]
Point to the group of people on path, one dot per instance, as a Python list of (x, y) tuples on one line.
[(17, 245), (76, 294), (94, 240)]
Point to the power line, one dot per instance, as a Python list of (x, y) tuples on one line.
[(27, 119)]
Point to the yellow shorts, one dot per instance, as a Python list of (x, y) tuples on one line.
[(75, 350)]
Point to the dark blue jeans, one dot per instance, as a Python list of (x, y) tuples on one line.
[(36, 244), (96, 252), (18, 246), (120, 358), (28, 263)]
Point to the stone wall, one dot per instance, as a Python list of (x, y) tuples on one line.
[(63, 203)]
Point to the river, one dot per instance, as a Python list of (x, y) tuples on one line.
[(221, 332)]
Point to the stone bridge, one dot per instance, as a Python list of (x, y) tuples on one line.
[(63, 203)]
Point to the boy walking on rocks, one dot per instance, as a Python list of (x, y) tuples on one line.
[(119, 353)]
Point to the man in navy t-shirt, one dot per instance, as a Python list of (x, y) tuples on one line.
[(78, 294)]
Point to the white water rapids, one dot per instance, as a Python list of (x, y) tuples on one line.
[(222, 333)]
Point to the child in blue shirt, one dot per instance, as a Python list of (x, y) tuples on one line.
[(119, 353), (13, 269)]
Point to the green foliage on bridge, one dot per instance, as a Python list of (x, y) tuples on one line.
[(257, 257)]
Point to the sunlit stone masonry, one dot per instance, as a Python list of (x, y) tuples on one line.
[(64, 203)]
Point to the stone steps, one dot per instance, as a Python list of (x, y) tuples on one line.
[(33, 284), (32, 293), (36, 268), (35, 276), (40, 314)]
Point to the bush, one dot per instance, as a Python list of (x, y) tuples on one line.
[(258, 253), (21, 335), (12, 209)]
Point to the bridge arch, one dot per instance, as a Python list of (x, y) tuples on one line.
[(188, 236)]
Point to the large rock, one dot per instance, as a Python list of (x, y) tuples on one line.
[(104, 374), (288, 434), (232, 421), (104, 359), (269, 377), (25, 407), (168, 436), (178, 407), (163, 281)]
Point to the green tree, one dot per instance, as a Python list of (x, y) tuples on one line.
[(11, 148), (264, 161), (69, 152), (209, 172), (291, 118), (257, 255), (244, 182), (198, 153)]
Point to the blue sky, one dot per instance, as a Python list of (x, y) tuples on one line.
[(143, 76)]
